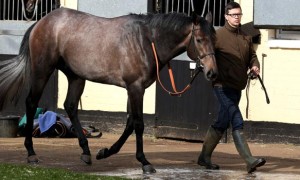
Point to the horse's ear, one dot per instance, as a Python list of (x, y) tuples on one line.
[(195, 18), (208, 17)]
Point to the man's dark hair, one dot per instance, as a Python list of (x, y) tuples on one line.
[(232, 5)]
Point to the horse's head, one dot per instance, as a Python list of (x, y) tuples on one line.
[(201, 45), (30, 5)]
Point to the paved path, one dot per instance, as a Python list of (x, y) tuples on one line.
[(172, 159), (194, 173)]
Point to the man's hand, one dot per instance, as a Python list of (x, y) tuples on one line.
[(255, 70)]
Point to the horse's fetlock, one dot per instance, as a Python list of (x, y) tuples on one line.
[(140, 157), (103, 153)]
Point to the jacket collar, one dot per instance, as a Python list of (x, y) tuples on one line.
[(232, 29)]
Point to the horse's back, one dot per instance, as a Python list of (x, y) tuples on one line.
[(75, 31), (67, 25), (93, 47), (69, 19)]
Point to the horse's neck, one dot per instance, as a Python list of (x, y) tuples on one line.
[(169, 46)]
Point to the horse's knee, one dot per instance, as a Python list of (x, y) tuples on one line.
[(128, 130), (70, 107), (139, 127)]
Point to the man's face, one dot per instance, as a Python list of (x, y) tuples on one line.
[(234, 17)]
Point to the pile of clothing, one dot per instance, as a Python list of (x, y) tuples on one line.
[(51, 124)]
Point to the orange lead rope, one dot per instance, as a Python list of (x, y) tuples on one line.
[(172, 78), (175, 93)]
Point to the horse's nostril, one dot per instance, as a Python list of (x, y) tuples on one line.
[(211, 75), (214, 76)]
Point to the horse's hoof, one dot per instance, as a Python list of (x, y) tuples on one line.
[(32, 159), (86, 158), (102, 153), (148, 169)]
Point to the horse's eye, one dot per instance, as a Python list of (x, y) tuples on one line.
[(198, 40)]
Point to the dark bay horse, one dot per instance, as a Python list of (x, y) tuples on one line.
[(115, 51)]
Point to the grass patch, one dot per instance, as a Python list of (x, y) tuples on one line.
[(24, 172)]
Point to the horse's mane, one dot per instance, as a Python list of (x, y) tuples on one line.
[(173, 21)]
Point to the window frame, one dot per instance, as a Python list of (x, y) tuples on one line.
[(288, 34)]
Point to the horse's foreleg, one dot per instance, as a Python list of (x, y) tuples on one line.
[(115, 148), (75, 90), (136, 96), (134, 122), (140, 156)]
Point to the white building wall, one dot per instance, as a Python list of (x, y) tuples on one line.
[(281, 78)]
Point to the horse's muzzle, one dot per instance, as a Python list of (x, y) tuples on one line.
[(211, 75)]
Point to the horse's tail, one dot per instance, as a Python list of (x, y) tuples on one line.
[(15, 72)]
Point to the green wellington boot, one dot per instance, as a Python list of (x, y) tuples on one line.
[(212, 138), (244, 151)]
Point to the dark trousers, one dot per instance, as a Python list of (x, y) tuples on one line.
[(229, 112)]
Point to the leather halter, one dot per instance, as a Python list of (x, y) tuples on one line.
[(198, 61), (199, 68)]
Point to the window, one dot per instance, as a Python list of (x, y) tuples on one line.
[(285, 38), (288, 34), (269, 14), (275, 14)]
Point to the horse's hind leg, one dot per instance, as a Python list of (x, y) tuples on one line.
[(31, 105), (75, 90), (38, 83)]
